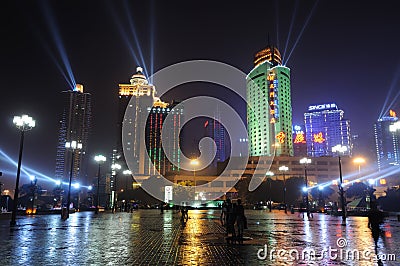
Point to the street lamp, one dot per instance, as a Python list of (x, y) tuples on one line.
[(127, 173), (359, 161), (23, 123), (114, 168), (284, 169), (270, 175), (306, 161), (341, 149), (194, 163), (73, 146), (33, 180), (99, 159)]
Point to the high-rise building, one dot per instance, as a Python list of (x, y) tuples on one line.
[(143, 95), (387, 141), (155, 146), (215, 130), (74, 126), (269, 107), (326, 127)]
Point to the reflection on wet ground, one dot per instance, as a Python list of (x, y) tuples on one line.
[(146, 237)]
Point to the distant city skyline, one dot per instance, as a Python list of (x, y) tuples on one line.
[(330, 59)]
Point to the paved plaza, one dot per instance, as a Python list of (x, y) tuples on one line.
[(146, 237)]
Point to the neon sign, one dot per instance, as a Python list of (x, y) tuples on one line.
[(318, 138), (272, 84), (322, 106), (299, 138), (281, 137)]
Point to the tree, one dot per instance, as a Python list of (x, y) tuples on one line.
[(357, 190)]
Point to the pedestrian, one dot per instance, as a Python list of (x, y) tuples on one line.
[(241, 220), (223, 213), (375, 219), (231, 219)]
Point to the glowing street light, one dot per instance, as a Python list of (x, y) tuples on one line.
[(23, 123), (359, 161), (341, 149), (72, 146), (99, 159), (194, 163), (284, 169), (306, 161), (270, 174), (127, 173), (115, 167)]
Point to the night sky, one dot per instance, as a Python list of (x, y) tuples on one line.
[(348, 54)]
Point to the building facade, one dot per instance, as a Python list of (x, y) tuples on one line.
[(326, 127), (74, 126), (215, 130), (155, 146), (387, 141), (269, 107), (134, 100)]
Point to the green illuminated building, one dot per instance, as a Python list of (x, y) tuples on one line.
[(269, 107)]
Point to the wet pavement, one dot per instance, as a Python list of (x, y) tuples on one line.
[(146, 237)]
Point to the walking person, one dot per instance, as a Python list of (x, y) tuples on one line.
[(231, 219), (223, 213), (241, 220)]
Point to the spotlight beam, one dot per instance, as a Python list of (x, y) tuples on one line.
[(152, 23), (122, 32), (277, 22), (30, 171), (48, 50), (302, 30), (135, 36), (386, 107), (290, 28), (58, 41)]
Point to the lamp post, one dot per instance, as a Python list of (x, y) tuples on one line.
[(359, 161), (114, 168), (73, 146), (306, 161), (194, 163), (341, 149), (23, 123), (33, 192), (127, 173), (99, 159), (284, 169), (270, 175)]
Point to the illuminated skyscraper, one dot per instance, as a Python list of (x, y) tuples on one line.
[(143, 95), (269, 106), (215, 130), (326, 128), (155, 146), (387, 141), (74, 125)]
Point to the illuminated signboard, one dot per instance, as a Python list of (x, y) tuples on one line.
[(272, 85), (318, 138), (281, 137), (300, 138), (392, 113), (322, 107), (168, 194)]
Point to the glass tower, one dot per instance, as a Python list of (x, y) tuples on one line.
[(326, 128), (386, 142)]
